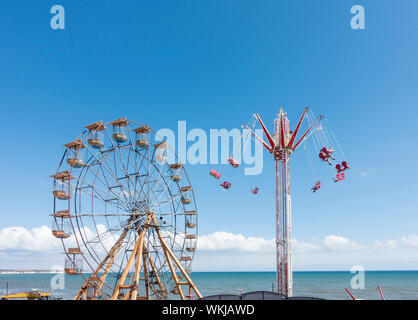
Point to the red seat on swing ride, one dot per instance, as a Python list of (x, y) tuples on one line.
[(226, 185), (344, 167), (233, 162), (316, 186), (326, 154), (255, 190), (339, 177), (215, 174)]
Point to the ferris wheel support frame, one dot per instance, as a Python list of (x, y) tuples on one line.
[(139, 254), (281, 145), (101, 280)]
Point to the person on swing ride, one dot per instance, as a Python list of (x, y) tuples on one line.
[(226, 185), (233, 162), (325, 158), (215, 174), (255, 190), (326, 154), (344, 165), (316, 187)]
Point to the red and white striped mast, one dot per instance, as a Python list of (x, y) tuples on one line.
[(281, 145)]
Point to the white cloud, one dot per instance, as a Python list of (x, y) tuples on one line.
[(218, 251), (41, 239), (388, 244), (304, 247), (411, 240), (21, 239), (365, 173), (334, 242), (221, 241)]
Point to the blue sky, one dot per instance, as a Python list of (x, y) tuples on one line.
[(213, 64)]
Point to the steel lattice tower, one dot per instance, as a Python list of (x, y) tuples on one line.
[(281, 145)]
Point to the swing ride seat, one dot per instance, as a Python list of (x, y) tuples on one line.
[(323, 156), (339, 177), (316, 186), (255, 190), (215, 174), (339, 169), (233, 162), (327, 151), (226, 185)]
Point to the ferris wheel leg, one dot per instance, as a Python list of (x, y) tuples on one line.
[(110, 258), (141, 257), (154, 269), (134, 286), (169, 254)]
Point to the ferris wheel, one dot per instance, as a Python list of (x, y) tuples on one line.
[(125, 211)]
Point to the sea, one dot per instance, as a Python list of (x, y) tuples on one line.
[(396, 285)]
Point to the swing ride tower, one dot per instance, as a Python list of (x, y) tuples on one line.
[(281, 145)]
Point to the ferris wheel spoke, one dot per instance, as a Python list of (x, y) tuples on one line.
[(131, 195), (162, 192), (117, 151), (158, 203), (100, 194), (113, 175), (99, 238), (158, 172), (104, 215), (173, 197), (105, 165), (104, 183), (138, 170), (145, 175), (174, 201)]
